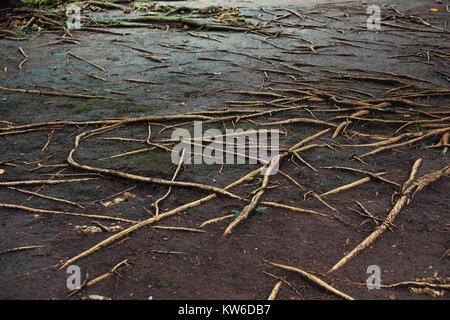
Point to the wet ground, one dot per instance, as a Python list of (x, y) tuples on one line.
[(326, 53)]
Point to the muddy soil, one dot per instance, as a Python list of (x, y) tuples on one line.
[(201, 71)]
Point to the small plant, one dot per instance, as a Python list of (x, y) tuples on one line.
[(421, 129), (236, 213), (260, 209)]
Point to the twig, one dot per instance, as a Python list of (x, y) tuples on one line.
[(315, 280), (91, 63), (20, 248), (178, 229), (31, 182), (204, 224), (91, 216), (274, 292), (347, 186), (47, 197)]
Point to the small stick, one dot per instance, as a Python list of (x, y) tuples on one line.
[(127, 153), (339, 128), (314, 279), (152, 58), (114, 195), (295, 147), (249, 208), (91, 63), (315, 195), (304, 161), (347, 186), (283, 279), (204, 224), (417, 283), (50, 135), (47, 197), (392, 146), (300, 120), (279, 205), (30, 182), (24, 61), (291, 179), (178, 229), (107, 274), (413, 174), (367, 214), (36, 271)]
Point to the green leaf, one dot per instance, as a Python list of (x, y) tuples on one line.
[(260, 209)]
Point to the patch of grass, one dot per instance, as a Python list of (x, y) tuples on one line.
[(143, 108), (160, 161), (76, 192), (297, 134), (237, 21), (342, 159)]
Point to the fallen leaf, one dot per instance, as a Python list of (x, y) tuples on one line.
[(2, 171), (434, 10)]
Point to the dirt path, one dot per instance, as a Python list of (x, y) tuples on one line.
[(315, 65)]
